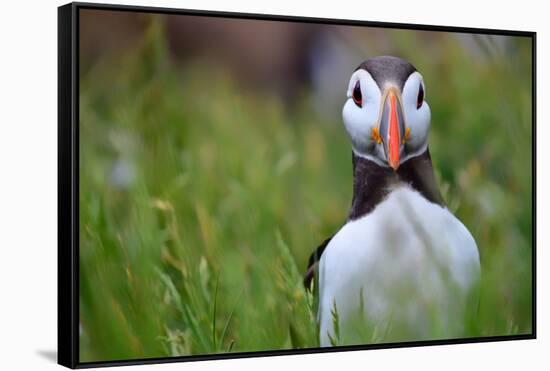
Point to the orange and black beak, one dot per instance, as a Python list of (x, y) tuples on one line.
[(392, 127)]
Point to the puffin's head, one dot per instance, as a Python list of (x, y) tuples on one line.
[(386, 114)]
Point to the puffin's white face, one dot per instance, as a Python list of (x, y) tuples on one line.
[(387, 126)]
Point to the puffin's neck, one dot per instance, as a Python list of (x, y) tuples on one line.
[(372, 183)]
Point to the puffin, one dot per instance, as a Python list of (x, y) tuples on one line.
[(402, 267)]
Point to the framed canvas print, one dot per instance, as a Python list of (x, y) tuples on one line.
[(236, 185)]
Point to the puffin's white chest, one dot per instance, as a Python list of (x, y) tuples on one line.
[(402, 272)]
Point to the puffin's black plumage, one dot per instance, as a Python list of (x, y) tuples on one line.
[(388, 68), (372, 182), (314, 262)]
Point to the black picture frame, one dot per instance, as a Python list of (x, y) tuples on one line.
[(68, 182)]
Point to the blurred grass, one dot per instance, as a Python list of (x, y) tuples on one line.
[(201, 202)]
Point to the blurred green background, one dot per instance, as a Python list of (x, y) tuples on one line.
[(213, 161)]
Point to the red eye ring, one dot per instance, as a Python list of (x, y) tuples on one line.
[(357, 96)]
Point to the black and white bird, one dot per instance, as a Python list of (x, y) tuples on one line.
[(403, 267)]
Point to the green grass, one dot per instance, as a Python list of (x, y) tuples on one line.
[(203, 251)]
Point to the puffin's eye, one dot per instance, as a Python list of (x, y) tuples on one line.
[(420, 98), (357, 96)]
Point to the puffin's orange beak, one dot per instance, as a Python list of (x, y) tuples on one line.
[(392, 128)]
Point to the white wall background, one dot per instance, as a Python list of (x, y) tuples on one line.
[(28, 181)]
